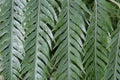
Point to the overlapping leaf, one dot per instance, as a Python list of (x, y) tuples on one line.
[(96, 53), (40, 18), (70, 34), (11, 38), (113, 68), (73, 34)]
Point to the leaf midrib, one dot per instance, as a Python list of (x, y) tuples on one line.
[(96, 22), (11, 35), (36, 49), (68, 36)]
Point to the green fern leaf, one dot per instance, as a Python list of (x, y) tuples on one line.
[(11, 38), (40, 18), (113, 68), (70, 34), (96, 57)]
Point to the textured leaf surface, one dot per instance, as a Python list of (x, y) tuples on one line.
[(70, 35), (95, 58), (113, 68), (11, 38), (59, 39), (40, 17)]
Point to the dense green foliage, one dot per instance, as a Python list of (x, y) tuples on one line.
[(60, 39)]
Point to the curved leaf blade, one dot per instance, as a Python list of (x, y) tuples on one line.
[(69, 34), (11, 38), (40, 18)]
